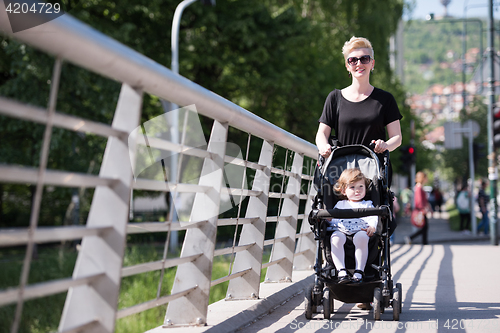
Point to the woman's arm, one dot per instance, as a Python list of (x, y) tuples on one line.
[(394, 141), (322, 137), (395, 137)]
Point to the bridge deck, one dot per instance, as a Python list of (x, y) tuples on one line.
[(445, 285)]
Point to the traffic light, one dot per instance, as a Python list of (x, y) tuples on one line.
[(408, 157), (412, 154), (478, 152), (496, 128)]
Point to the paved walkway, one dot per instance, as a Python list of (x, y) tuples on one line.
[(444, 290), (439, 294), (439, 232)]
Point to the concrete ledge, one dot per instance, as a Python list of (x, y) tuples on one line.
[(229, 316)]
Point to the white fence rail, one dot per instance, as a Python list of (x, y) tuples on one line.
[(93, 290)]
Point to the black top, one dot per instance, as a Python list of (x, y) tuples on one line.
[(361, 122)]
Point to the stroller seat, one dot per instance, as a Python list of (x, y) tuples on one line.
[(377, 284)]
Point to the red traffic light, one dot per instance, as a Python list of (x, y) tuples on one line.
[(411, 150)]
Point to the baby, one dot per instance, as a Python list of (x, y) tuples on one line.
[(351, 187)]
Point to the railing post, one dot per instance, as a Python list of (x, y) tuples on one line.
[(192, 308), (247, 286), (306, 245), (110, 207), (287, 227)]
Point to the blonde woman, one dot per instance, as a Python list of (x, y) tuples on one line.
[(359, 113)]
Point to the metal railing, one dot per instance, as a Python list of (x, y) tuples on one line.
[(93, 290)]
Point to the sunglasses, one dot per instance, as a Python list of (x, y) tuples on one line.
[(364, 60)]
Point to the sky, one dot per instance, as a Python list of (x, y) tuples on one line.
[(474, 8)]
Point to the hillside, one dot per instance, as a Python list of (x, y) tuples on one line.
[(433, 51)]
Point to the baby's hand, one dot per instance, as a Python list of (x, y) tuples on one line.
[(369, 231)]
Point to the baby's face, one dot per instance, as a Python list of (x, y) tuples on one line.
[(355, 191)]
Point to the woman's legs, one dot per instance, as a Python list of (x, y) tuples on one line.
[(337, 240), (425, 230), (360, 241)]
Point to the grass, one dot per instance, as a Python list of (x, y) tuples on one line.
[(455, 217), (39, 315), (43, 315)]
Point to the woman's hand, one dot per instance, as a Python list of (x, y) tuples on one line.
[(370, 231), (325, 150), (380, 146)]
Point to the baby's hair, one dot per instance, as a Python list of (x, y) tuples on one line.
[(349, 176)]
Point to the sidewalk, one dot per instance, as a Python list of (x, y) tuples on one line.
[(439, 231)]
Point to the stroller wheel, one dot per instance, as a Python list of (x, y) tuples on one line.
[(327, 303), (309, 301), (396, 304), (377, 303), (399, 286)]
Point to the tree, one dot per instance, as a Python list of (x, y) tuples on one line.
[(277, 58)]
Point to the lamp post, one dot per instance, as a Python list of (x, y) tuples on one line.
[(492, 166), (174, 113)]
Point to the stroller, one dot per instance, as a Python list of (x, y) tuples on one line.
[(377, 285)]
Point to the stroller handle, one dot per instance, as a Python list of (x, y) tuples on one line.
[(383, 211)]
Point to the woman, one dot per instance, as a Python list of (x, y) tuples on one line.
[(359, 113), (422, 204)]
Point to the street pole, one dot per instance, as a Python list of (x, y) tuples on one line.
[(174, 116), (472, 176), (174, 112), (464, 66), (492, 167)]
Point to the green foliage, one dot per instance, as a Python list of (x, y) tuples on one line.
[(43, 315), (277, 58), (430, 44), (39, 315)]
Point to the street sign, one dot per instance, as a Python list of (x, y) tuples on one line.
[(452, 135), (475, 127)]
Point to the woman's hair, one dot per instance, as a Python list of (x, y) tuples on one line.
[(349, 176), (357, 43), (420, 177)]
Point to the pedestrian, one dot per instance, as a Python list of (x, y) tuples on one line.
[(432, 201), (420, 204), (439, 199), (406, 198), (359, 113), (463, 206), (395, 210), (482, 200), (436, 200)]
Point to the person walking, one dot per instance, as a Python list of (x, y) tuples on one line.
[(421, 204), (359, 113), (463, 205), (482, 200), (406, 198)]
